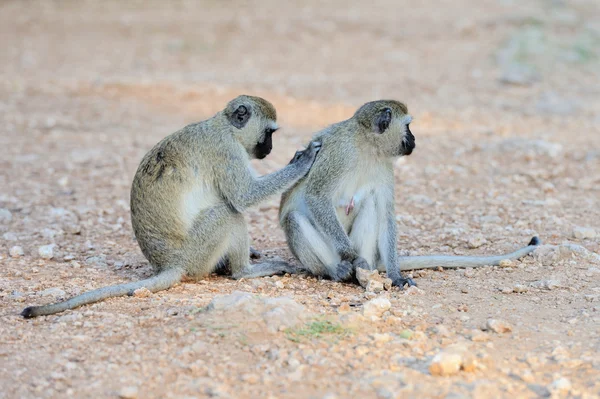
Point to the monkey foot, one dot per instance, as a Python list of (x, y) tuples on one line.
[(254, 254), (401, 282), (343, 271), (361, 262)]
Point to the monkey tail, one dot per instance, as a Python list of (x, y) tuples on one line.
[(453, 262), (162, 281)]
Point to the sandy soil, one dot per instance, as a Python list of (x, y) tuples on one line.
[(506, 102)]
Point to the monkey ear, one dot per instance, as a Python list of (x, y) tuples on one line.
[(240, 116), (383, 120)]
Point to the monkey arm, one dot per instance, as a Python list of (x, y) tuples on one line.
[(242, 190), (324, 216)]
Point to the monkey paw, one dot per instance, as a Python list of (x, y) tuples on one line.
[(401, 282), (361, 262), (343, 271)]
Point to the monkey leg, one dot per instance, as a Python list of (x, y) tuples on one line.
[(363, 233), (312, 250), (207, 243), (237, 254)]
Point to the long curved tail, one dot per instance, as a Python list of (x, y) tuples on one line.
[(162, 281), (453, 262)]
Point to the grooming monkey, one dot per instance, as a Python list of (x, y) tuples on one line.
[(341, 215), (188, 195)]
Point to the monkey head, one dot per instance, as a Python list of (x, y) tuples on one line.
[(254, 120), (386, 127)]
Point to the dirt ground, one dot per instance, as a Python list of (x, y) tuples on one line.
[(506, 105)]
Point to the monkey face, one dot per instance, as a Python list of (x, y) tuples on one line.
[(385, 125), (254, 120), (264, 147)]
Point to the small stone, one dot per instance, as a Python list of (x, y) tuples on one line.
[(561, 385), (506, 263), (445, 363), (442, 331), (413, 290), (10, 236), (16, 251), (5, 215), (506, 290), (479, 336), (142, 293), (54, 292), (520, 288), (128, 393), (279, 284), (546, 284), (381, 338), (376, 307), (374, 286), (476, 242), (582, 233), (46, 251), (498, 326), (75, 264)]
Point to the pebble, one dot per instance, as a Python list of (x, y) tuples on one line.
[(444, 364), (376, 307), (561, 385), (442, 331), (498, 326), (374, 286), (372, 281), (142, 293), (10, 236), (5, 215), (582, 233), (54, 292), (16, 251), (479, 336), (476, 242), (128, 393), (506, 263), (546, 284), (46, 251), (276, 313), (520, 288)]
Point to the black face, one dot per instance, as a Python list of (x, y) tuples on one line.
[(408, 143), (263, 148)]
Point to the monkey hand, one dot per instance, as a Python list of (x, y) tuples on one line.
[(343, 271), (306, 158), (401, 282)]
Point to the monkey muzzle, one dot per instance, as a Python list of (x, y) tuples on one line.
[(408, 143)]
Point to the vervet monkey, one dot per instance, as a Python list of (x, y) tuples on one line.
[(341, 215), (188, 195)]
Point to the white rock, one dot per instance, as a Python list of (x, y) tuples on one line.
[(376, 307), (520, 288), (445, 363), (546, 284), (46, 251), (506, 263), (10, 236), (54, 292), (498, 326), (275, 313), (5, 215), (582, 233), (128, 393), (16, 251), (561, 385), (476, 242), (374, 286)]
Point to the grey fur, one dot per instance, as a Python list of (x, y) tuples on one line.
[(341, 216), (188, 196)]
